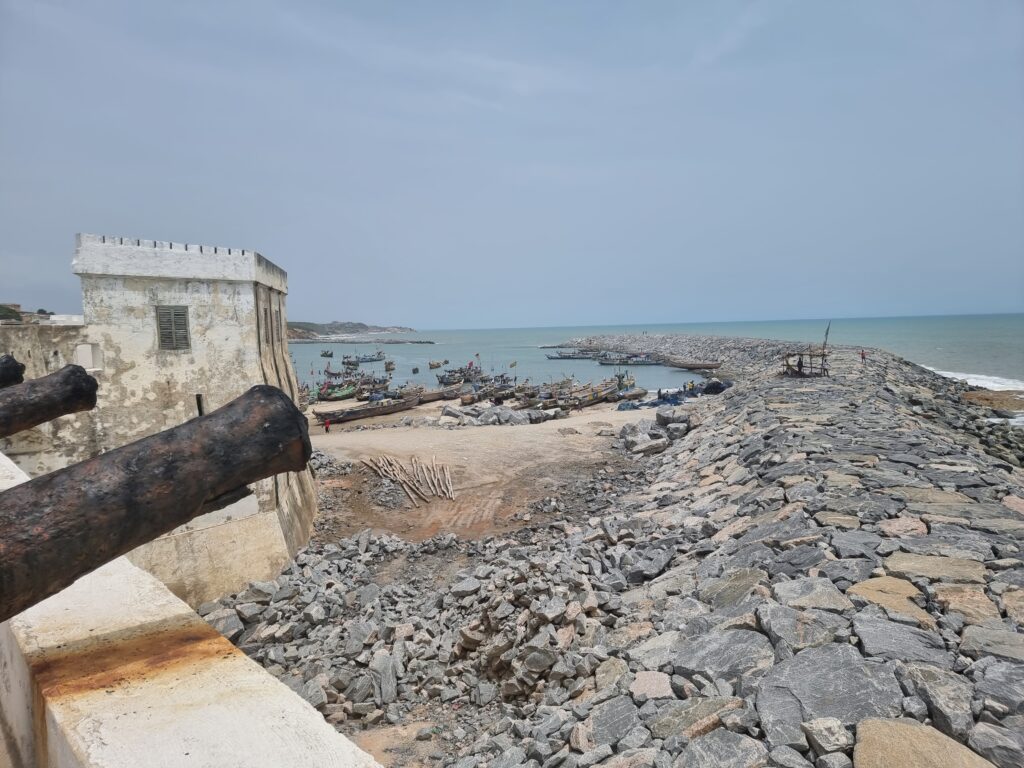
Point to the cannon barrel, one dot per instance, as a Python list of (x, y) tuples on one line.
[(34, 402), (60, 526), (11, 371)]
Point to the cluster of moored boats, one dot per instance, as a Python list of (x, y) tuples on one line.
[(622, 360), (603, 358), (471, 385)]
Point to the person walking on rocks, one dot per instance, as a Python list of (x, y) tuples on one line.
[(863, 357)]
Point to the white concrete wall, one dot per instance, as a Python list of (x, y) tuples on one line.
[(117, 672)]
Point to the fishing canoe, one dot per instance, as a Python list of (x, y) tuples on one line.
[(378, 408)]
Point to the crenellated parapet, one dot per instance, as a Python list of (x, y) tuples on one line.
[(114, 255)]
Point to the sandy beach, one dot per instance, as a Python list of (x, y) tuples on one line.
[(497, 471)]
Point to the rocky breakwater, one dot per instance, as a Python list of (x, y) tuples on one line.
[(820, 572)]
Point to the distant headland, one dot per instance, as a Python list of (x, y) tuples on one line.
[(299, 330)]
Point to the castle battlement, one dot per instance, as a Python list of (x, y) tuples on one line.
[(158, 245), (118, 256)]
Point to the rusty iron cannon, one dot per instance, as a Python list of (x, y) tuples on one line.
[(59, 527), (11, 371), (36, 401)]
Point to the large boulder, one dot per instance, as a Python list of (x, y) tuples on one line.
[(829, 681), (891, 640), (730, 654), (947, 694), (613, 719), (724, 749), (908, 744)]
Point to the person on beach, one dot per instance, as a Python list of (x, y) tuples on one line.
[(863, 357), (327, 426)]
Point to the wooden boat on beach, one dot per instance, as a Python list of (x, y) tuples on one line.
[(691, 365), (331, 392), (377, 408), (444, 393), (629, 360), (573, 354)]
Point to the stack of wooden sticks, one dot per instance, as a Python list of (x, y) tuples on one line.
[(419, 480)]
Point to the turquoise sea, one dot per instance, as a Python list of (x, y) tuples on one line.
[(987, 350)]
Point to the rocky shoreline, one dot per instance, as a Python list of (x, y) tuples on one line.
[(812, 572)]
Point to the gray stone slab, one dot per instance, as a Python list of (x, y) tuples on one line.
[(831, 681)]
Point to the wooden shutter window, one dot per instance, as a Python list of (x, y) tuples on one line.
[(172, 327)]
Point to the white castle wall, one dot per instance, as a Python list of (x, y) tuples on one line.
[(237, 325)]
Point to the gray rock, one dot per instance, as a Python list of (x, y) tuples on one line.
[(382, 668), (635, 739), (833, 760), (890, 640), (915, 707), (787, 757), (651, 447), (539, 659), (853, 570), (731, 654), (856, 544), (724, 749), (793, 692), (314, 693), (731, 588), (947, 695), (811, 593), (656, 651), (466, 587), (981, 641), (1003, 682), (666, 415), (510, 758), (1001, 746), (827, 734), (679, 718), (796, 629), (612, 720), (594, 756), (226, 622)]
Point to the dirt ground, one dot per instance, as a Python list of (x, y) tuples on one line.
[(498, 472)]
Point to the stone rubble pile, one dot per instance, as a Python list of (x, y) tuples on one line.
[(819, 573), (483, 415), (325, 465)]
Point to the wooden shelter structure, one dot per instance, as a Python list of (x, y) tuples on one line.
[(805, 363), (812, 361)]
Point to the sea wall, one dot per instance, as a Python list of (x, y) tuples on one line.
[(116, 671), (813, 569)]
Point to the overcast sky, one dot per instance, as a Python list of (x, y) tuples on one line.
[(462, 165)]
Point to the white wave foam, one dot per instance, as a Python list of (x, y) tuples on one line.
[(981, 380)]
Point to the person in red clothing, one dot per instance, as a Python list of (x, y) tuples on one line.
[(327, 426)]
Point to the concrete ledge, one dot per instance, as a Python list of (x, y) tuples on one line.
[(117, 671)]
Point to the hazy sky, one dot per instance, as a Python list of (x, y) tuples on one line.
[(529, 163)]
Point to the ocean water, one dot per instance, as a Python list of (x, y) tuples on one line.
[(987, 350)]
